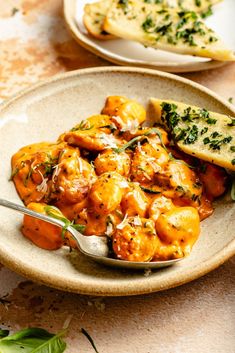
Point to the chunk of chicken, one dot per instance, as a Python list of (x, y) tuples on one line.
[(32, 168), (160, 204), (135, 239), (110, 161), (72, 177), (147, 161)]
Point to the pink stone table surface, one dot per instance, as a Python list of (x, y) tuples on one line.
[(198, 317)]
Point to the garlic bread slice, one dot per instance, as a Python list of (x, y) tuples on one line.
[(200, 6), (166, 29), (206, 135), (93, 19)]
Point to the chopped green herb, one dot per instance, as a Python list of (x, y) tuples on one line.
[(148, 24), (232, 123), (124, 5), (149, 191), (206, 140), (180, 189), (132, 142), (207, 13), (232, 148), (215, 134), (83, 126), (198, 3), (192, 135), (180, 161), (233, 161), (14, 11), (14, 173), (230, 100), (211, 121), (54, 212), (204, 130)]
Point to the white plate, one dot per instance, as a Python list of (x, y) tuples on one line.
[(126, 52)]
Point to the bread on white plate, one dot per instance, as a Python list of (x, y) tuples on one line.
[(93, 19), (166, 29), (95, 13)]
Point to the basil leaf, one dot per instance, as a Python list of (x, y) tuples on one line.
[(33, 340)]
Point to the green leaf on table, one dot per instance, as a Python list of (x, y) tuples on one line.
[(33, 340)]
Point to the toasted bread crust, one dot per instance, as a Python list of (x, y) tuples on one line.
[(93, 19)]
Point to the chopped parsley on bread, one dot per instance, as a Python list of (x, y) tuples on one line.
[(203, 134), (165, 28)]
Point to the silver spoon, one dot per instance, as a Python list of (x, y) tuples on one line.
[(94, 247)]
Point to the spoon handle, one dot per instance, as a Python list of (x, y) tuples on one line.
[(29, 212)]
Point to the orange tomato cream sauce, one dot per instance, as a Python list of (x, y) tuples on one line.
[(110, 175)]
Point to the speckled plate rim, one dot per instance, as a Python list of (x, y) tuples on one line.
[(55, 281), (68, 11)]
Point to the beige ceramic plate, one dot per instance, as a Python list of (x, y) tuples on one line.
[(125, 52), (41, 114)]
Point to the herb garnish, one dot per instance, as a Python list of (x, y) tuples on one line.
[(232, 123), (207, 13), (150, 191), (215, 144), (124, 5), (14, 173), (181, 161), (54, 212), (136, 139), (14, 11), (83, 126)]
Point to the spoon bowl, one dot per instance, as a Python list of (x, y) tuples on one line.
[(94, 247)]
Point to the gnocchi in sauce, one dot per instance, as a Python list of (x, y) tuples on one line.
[(110, 175)]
